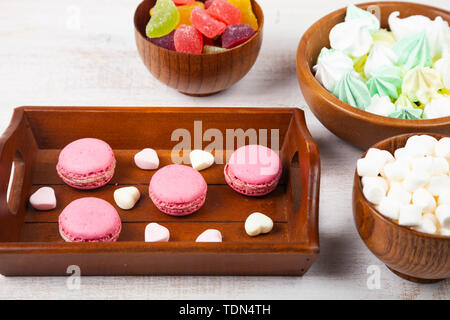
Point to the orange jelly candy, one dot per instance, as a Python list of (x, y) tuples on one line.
[(185, 12), (248, 17)]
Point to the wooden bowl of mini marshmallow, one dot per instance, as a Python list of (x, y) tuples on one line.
[(394, 214)]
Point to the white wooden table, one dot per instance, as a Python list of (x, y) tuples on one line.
[(82, 52)]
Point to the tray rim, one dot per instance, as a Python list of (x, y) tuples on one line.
[(307, 248)]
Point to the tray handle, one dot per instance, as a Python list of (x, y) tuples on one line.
[(15, 150), (304, 160)]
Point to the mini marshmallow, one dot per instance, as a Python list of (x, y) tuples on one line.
[(368, 167), (210, 235), (155, 232), (399, 193), (444, 232), (147, 159), (410, 215), (415, 180), (397, 170), (389, 208), (402, 153), (375, 180), (126, 197), (201, 159), (424, 199), (374, 192), (442, 148), (380, 156), (444, 197), (437, 184), (440, 166), (419, 146), (43, 199), (424, 164), (258, 223), (443, 215), (428, 224)]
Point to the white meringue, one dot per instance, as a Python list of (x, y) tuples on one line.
[(382, 106), (379, 56), (331, 66), (437, 108), (443, 66), (351, 37), (407, 26), (437, 34)]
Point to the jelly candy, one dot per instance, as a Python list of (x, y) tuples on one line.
[(236, 34), (185, 12), (165, 42), (183, 2), (165, 18), (213, 49), (248, 17), (188, 40), (206, 24), (208, 3), (224, 11)]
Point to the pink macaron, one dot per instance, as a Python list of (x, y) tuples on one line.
[(178, 190), (89, 220), (253, 170), (86, 163)]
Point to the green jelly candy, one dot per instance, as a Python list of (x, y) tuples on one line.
[(164, 19), (213, 49)]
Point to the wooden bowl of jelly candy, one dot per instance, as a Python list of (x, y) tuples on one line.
[(358, 127), (412, 255), (196, 74)]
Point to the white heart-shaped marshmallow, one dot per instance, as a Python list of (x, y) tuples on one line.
[(155, 232), (126, 197), (258, 223), (147, 159), (43, 199), (210, 235), (201, 159)]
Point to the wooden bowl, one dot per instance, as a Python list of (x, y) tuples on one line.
[(358, 127), (196, 74), (410, 254)]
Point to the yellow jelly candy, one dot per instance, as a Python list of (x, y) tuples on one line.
[(185, 12), (248, 17)]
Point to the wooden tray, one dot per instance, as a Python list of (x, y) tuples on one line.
[(31, 245)]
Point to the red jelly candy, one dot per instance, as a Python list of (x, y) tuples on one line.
[(224, 11), (165, 42), (236, 34), (206, 24), (188, 40), (183, 2), (208, 3)]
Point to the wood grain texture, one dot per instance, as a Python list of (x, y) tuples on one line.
[(196, 74), (294, 206), (413, 255), (49, 59), (337, 116)]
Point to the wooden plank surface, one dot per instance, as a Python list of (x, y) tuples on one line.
[(83, 53)]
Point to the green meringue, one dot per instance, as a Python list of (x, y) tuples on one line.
[(407, 113), (324, 52), (386, 82), (353, 91), (413, 50), (385, 37), (372, 22), (422, 84)]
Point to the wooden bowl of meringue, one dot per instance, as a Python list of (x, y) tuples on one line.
[(364, 126)]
